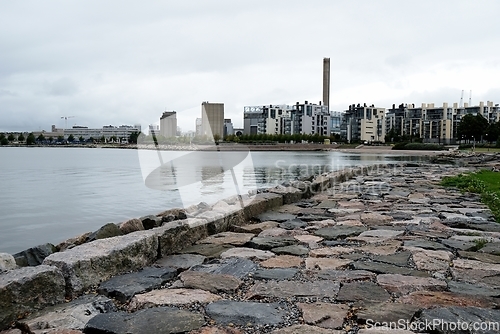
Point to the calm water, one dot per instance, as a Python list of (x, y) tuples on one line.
[(51, 194)]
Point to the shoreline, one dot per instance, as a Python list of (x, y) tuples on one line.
[(347, 248)]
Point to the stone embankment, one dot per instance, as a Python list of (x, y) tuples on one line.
[(341, 254)]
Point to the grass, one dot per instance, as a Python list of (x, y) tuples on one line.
[(484, 149), (485, 182)]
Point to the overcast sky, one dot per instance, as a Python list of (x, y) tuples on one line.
[(124, 62)]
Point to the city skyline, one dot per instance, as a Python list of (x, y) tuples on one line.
[(117, 63)]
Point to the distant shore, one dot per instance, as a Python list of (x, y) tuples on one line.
[(385, 149)]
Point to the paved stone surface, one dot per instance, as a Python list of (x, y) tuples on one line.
[(289, 289), (154, 320), (124, 287), (387, 312), (228, 238), (181, 261), (283, 261), (326, 263), (244, 313), (237, 267), (210, 282), (467, 315), (402, 285), (171, 297), (324, 315), (339, 232), (386, 244), (277, 274), (297, 250), (247, 253)]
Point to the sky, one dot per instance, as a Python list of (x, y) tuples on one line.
[(125, 62)]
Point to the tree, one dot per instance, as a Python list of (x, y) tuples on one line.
[(103, 139), (4, 141), (472, 127), (81, 139), (31, 139), (11, 137), (133, 137), (60, 139), (41, 137), (2, 136), (91, 140), (51, 139), (71, 138), (216, 137), (21, 137), (113, 139)]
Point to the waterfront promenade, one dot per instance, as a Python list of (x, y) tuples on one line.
[(387, 247)]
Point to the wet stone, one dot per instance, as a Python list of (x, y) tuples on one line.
[(285, 289), (363, 293), (244, 313), (339, 232), (291, 250), (277, 274), (124, 287), (181, 261), (385, 268), (234, 266), (275, 216), (268, 243), (293, 224), (324, 315), (154, 320), (387, 312)]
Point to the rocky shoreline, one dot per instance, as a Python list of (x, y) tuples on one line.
[(338, 254)]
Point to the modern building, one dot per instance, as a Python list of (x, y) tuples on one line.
[(212, 119), (364, 123), (335, 122), (168, 124), (198, 127), (301, 118), (121, 132), (154, 128), (228, 127)]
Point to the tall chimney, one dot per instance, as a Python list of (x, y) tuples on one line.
[(326, 82)]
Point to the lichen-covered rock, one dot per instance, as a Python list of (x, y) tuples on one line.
[(27, 289), (7, 262), (91, 263)]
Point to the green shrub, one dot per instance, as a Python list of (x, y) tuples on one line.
[(418, 146)]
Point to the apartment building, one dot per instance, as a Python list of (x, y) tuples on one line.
[(301, 118), (364, 123)]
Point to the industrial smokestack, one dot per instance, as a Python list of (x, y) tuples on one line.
[(326, 82)]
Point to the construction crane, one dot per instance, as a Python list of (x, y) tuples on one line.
[(66, 120), (462, 99)]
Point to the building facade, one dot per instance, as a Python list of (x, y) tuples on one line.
[(212, 119), (364, 123), (168, 124)]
